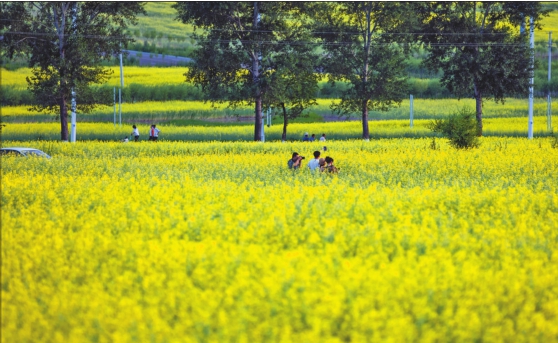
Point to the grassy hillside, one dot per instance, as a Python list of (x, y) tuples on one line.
[(159, 32)]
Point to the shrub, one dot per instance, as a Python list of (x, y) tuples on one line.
[(460, 128)]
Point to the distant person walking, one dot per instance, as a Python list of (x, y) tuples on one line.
[(313, 137), (305, 138), (154, 133), (135, 133), (323, 139)]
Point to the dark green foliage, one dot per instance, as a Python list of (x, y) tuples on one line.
[(460, 128), (360, 51), (478, 47), (243, 51), (66, 43)]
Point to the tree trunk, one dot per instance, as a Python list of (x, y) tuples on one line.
[(365, 129), (63, 119), (258, 124), (368, 37), (285, 123), (478, 103)]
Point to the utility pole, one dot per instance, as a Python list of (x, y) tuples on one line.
[(411, 110), (121, 86), (121, 69), (532, 80), (73, 120), (548, 105)]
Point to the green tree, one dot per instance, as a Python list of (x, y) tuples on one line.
[(361, 49), (479, 47), (292, 78), (295, 85), (242, 49), (65, 43)]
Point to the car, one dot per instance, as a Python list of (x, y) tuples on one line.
[(18, 151)]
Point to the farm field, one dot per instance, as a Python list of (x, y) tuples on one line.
[(160, 112), (220, 242), (379, 129)]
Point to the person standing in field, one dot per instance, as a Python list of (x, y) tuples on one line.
[(154, 133), (135, 133), (314, 163), (323, 139), (313, 137), (306, 138)]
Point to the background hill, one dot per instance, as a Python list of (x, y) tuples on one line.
[(161, 41)]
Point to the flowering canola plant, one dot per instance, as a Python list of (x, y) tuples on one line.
[(221, 242), (335, 130)]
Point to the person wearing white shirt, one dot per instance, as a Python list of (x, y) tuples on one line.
[(135, 133), (322, 139), (315, 162), (154, 133)]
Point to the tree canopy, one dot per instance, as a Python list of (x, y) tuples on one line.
[(244, 49), (479, 47), (65, 42), (360, 49)]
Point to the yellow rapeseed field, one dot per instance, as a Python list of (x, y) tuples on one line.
[(333, 130), (221, 242)]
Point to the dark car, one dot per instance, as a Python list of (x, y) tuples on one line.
[(17, 151)]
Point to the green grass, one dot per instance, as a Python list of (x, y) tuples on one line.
[(160, 32)]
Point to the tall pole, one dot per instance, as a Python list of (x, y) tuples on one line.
[(532, 80), (548, 105), (411, 109), (120, 106), (263, 133), (73, 134), (121, 87), (73, 101), (121, 69), (114, 106)]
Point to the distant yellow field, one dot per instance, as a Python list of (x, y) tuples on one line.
[(132, 74)]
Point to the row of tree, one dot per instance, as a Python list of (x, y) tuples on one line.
[(272, 54)]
